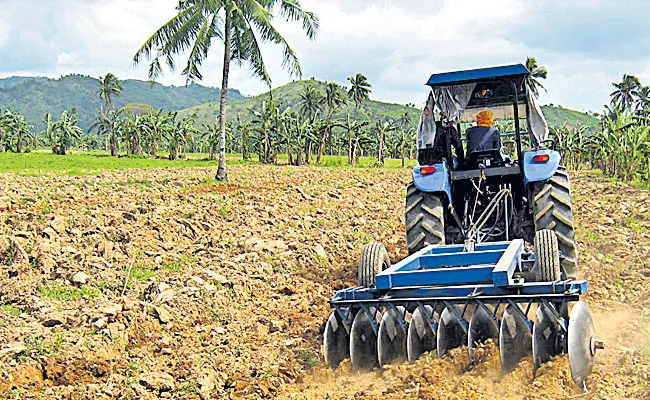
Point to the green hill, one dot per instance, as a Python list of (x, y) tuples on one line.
[(557, 117), (33, 97), (289, 96)]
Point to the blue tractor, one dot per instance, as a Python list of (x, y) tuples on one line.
[(491, 241), (497, 191)]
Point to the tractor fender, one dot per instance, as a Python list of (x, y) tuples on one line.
[(437, 182), (540, 171)]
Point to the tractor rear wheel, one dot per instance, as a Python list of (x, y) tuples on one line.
[(553, 209), (425, 219), (374, 259)]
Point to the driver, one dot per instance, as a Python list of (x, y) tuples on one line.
[(483, 136)]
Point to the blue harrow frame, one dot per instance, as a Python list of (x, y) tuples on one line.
[(445, 296)]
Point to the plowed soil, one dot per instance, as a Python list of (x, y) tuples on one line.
[(165, 284)]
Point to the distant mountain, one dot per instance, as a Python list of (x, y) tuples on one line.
[(289, 96), (34, 97), (6, 83)]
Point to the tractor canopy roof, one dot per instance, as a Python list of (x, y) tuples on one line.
[(462, 94), (515, 72)]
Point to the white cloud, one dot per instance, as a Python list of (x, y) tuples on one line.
[(67, 60)]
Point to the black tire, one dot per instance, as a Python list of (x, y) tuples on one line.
[(553, 209), (425, 219), (374, 259), (547, 263)]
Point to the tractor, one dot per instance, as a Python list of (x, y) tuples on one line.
[(493, 194), (490, 237)]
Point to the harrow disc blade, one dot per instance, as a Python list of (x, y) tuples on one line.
[(547, 336), (451, 333), (363, 342), (582, 343), (515, 340), (336, 341), (482, 326), (421, 335), (391, 341)]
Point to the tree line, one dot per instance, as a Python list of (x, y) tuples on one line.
[(314, 127)]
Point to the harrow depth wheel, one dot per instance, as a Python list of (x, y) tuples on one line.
[(374, 259)]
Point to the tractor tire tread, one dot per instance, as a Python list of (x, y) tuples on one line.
[(553, 209), (424, 219)]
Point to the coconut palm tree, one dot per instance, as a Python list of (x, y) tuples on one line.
[(626, 92), (360, 90), (334, 99), (310, 101), (242, 26), (537, 72), (110, 87), (107, 125)]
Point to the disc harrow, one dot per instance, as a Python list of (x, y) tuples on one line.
[(445, 297)]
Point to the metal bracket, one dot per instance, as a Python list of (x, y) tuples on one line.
[(400, 318), (372, 317)]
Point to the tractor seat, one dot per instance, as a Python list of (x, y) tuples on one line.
[(487, 158), (482, 138)]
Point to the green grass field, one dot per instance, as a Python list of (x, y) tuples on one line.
[(82, 163)]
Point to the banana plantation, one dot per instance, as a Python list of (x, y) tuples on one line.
[(312, 128), (621, 147)]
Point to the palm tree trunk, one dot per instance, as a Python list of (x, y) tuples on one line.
[(244, 146), (221, 171), (350, 154), (308, 151), (380, 151), (321, 145), (114, 149)]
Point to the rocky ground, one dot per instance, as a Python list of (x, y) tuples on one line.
[(163, 283)]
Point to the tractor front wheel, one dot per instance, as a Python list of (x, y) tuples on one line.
[(425, 219)]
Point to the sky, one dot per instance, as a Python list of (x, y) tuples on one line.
[(585, 44)]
